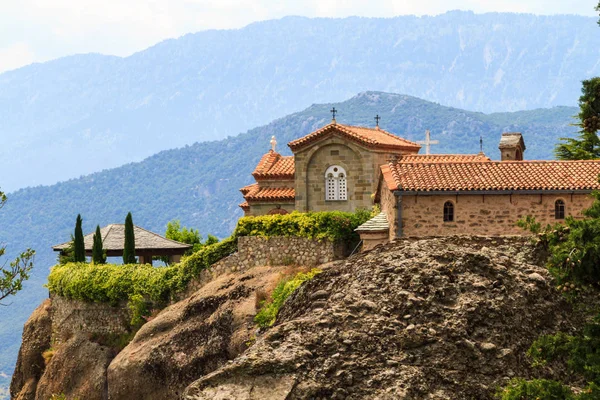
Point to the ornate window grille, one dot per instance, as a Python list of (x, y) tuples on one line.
[(336, 187)]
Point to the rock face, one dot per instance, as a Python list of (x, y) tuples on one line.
[(446, 318), (77, 370), (185, 341), (189, 339), (30, 364)]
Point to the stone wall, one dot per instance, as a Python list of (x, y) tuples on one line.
[(362, 169), (256, 251), (70, 316), (483, 214), (264, 208)]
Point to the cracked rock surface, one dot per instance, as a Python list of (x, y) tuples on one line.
[(437, 318)]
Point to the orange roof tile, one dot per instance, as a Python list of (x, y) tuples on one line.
[(370, 137), (256, 193), (492, 175), (244, 206), (435, 158), (274, 166)]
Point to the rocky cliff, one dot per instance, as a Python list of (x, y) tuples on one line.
[(438, 318)]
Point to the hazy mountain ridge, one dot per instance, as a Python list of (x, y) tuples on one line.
[(199, 184), (80, 114)]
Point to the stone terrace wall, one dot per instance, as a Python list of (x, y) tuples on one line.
[(70, 316), (256, 251)]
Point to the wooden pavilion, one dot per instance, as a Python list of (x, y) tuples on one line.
[(147, 244)]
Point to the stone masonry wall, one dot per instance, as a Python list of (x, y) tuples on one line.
[(483, 214), (278, 251), (70, 316), (362, 169), (264, 208)]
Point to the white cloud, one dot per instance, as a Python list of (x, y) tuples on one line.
[(38, 30)]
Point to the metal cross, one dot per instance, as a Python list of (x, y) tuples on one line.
[(377, 118), (480, 143), (333, 112), (428, 142)]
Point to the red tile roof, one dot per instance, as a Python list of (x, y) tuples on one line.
[(274, 166), (492, 175), (369, 137), (256, 193), (436, 158), (245, 206)]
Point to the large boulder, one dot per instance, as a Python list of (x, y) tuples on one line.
[(30, 363), (77, 370), (442, 318), (190, 338)]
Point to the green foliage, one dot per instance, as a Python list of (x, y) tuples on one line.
[(334, 225), (189, 236), (79, 245), (182, 234), (12, 278), (129, 246), (134, 283), (68, 254), (529, 223), (587, 145), (268, 313), (581, 355), (574, 247), (98, 255), (536, 389)]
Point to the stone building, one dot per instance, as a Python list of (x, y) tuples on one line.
[(341, 167)]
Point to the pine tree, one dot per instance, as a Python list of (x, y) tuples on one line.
[(79, 244), (129, 247), (587, 145), (97, 250)]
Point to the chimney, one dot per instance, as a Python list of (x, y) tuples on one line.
[(511, 146)]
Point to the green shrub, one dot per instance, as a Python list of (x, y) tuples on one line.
[(334, 225), (536, 389), (269, 310)]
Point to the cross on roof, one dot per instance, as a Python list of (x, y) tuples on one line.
[(428, 142), (333, 112), (377, 118)]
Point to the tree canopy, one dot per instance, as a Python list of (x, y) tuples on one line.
[(587, 145), (16, 272)]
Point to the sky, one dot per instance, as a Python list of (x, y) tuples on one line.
[(41, 30)]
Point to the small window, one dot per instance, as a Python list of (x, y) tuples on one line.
[(559, 209), (448, 211), (336, 187)]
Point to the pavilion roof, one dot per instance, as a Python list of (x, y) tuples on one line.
[(113, 239)]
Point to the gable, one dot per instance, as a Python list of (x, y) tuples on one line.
[(372, 138)]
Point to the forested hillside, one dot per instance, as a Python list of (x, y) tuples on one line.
[(81, 114), (199, 184)]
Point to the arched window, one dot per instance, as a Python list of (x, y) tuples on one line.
[(559, 209), (335, 183), (448, 211)]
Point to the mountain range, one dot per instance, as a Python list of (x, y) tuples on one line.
[(199, 184), (84, 113)]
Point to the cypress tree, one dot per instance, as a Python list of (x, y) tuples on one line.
[(129, 247), (97, 250), (79, 246)]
